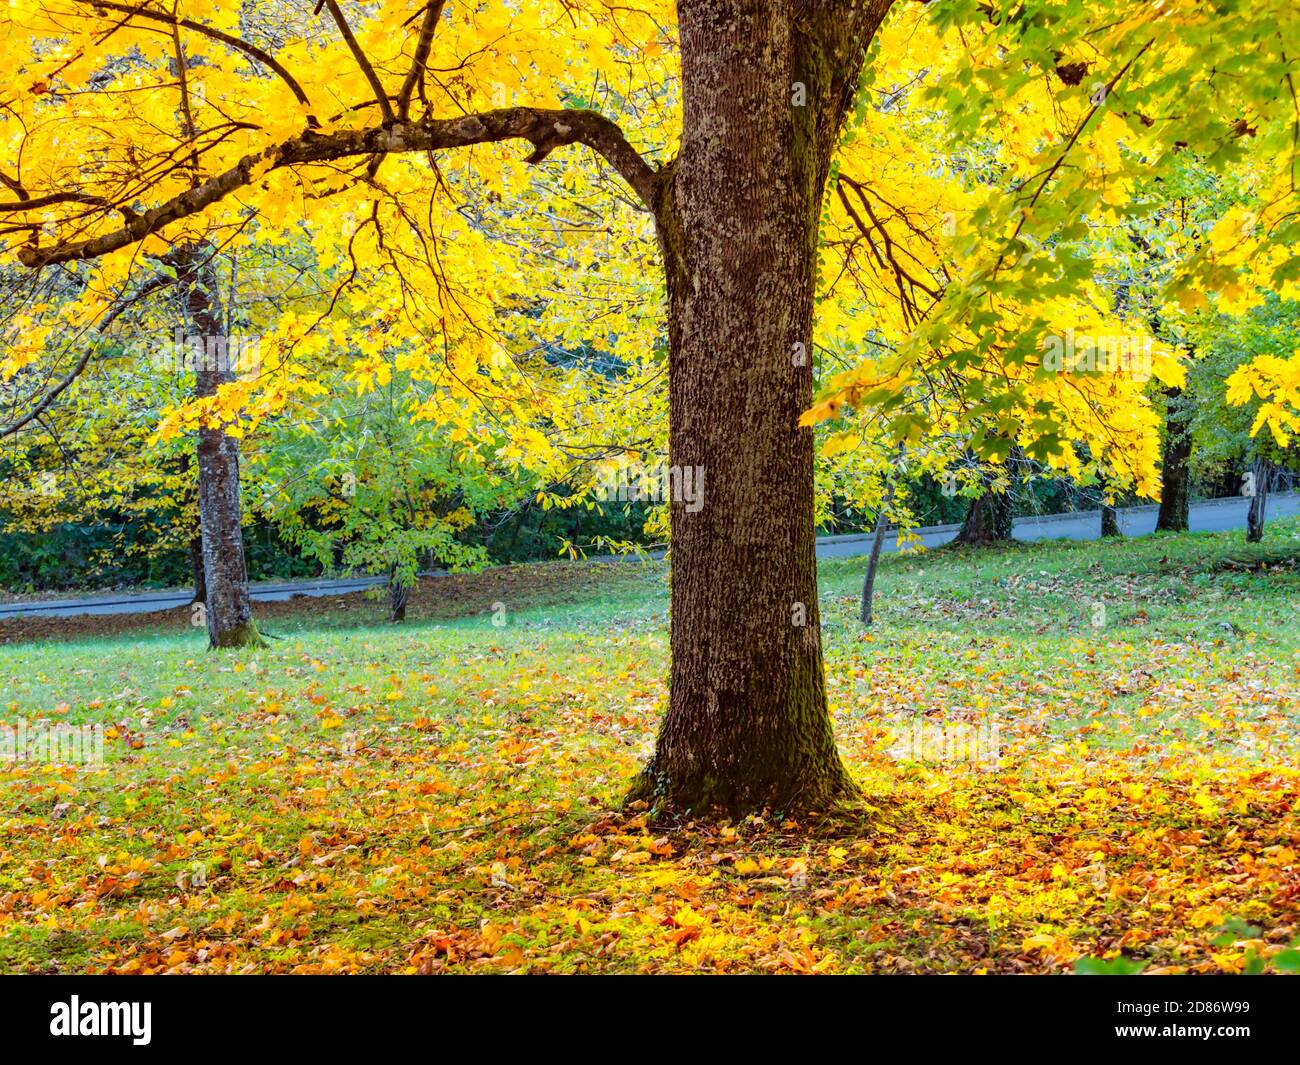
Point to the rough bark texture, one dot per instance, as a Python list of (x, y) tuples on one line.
[(1176, 467), (988, 521), (1263, 471), (747, 724), (228, 608)]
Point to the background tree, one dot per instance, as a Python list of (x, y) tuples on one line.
[(363, 487), (1228, 447), (1176, 464)]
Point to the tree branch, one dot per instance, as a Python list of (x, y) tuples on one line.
[(546, 130), (44, 404), (415, 76), (250, 50), (354, 46), (31, 204)]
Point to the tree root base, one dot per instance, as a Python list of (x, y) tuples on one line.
[(705, 797), (245, 635)]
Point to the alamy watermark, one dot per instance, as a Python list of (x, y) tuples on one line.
[(76, 1018), (44, 741), (182, 352), (656, 484), (978, 743), (1073, 352)]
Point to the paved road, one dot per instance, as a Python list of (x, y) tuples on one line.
[(1134, 521), (1213, 516), (145, 602)]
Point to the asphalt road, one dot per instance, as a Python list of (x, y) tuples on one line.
[(145, 602), (1211, 516)]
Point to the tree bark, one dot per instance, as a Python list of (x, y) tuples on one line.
[(227, 605), (196, 570), (1109, 520), (865, 611), (747, 725), (398, 594), (1263, 471), (1176, 467), (989, 520), (1109, 515)]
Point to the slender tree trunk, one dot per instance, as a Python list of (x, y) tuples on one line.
[(1109, 516), (765, 86), (1263, 477), (398, 594), (228, 607), (1176, 472), (873, 563), (989, 520), (1228, 484)]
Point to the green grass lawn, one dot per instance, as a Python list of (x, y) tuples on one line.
[(446, 795)]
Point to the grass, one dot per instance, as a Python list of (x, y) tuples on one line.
[(445, 795)]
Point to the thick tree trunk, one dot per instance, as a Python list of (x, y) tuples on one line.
[(1263, 477), (988, 521), (1176, 471), (228, 607), (765, 85), (1109, 520)]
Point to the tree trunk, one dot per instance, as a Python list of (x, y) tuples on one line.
[(988, 521), (873, 563), (1109, 515), (227, 606), (765, 86), (1227, 484), (1262, 470), (1176, 468), (1109, 520), (196, 570), (398, 594)]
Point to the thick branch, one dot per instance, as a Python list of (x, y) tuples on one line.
[(546, 130)]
